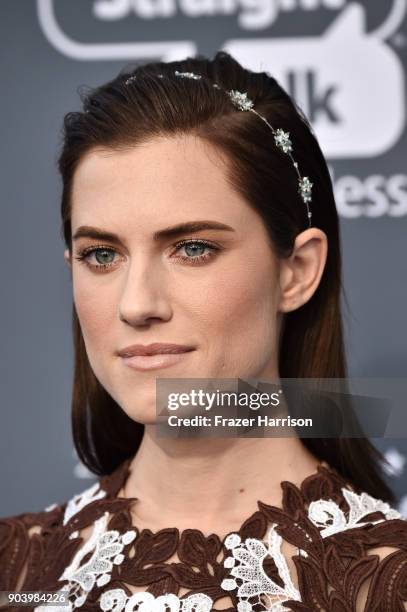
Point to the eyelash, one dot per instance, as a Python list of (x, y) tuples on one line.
[(84, 254)]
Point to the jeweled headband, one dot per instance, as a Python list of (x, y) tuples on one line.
[(281, 138)]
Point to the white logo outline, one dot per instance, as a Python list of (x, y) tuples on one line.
[(168, 50)]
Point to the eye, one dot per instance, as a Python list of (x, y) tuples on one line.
[(195, 250), (103, 255)]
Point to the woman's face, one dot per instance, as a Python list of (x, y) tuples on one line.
[(220, 294)]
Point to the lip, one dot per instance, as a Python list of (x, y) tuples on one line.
[(153, 356), (155, 348), (153, 362)]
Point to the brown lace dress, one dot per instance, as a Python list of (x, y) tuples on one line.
[(328, 548)]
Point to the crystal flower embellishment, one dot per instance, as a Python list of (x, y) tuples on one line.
[(282, 140), (240, 99), (304, 189)]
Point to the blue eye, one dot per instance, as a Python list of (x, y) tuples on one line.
[(194, 250), (101, 253), (100, 256)]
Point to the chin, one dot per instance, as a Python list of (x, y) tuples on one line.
[(140, 403), (144, 416)]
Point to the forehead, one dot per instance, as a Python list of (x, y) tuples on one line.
[(160, 182)]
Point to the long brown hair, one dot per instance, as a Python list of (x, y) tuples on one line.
[(118, 115)]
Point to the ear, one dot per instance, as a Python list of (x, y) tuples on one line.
[(67, 257), (301, 272)]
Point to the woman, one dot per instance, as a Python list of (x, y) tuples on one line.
[(198, 211)]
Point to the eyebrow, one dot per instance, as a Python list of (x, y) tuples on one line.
[(87, 231)]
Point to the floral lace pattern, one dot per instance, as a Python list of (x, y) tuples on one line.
[(359, 506), (255, 581), (83, 576), (116, 600), (120, 568)]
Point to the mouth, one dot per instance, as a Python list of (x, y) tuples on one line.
[(153, 349), (155, 361)]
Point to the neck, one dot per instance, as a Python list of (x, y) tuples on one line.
[(189, 483)]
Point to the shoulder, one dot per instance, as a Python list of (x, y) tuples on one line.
[(31, 541), (376, 535), (19, 535), (365, 545), (368, 538), (352, 547)]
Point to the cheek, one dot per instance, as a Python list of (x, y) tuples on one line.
[(237, 309), (95, 309), (242, 291)]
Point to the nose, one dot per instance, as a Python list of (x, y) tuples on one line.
[(144, 296)]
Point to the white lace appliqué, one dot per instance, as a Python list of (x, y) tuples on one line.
[(107, 549), (116, 600), (327, 514), (254, 581), (81, 500), (251, 554)]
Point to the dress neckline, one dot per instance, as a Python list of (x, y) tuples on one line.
[(324, 480)]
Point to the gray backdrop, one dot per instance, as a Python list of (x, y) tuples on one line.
[(345, 64)]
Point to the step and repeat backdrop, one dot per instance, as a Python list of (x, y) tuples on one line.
[(345, 64)]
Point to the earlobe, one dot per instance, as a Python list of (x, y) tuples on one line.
[(300, 274), (67, 257)]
